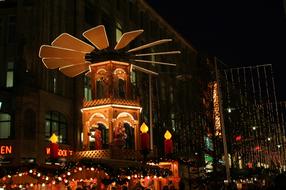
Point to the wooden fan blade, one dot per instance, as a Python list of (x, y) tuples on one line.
[(68, 41), (97, 36), (53, 63), (47, 51), (126, 38), (159, 53), (154, 62), (150, 45), (74, 70), (143, 70)]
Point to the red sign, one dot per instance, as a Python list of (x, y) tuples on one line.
[(6, 149), (61, 152)]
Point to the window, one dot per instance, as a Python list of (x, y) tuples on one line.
[(87, 88), (133, 77), (173, 121), (133, 82), (52, 82), (5, 125), (118, 30), (56, 123), (10, 74)]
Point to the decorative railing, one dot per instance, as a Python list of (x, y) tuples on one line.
[(92, 154), (113, 153), (106, 101)]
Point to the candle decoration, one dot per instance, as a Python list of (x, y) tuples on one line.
[(168, 143), (144, 137), (54, 146)]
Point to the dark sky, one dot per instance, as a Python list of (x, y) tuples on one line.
[(240, 33)]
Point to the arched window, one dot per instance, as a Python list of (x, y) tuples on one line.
[(118, 31), (5, 125), (87, 88), (130, 136), (56, 123), (29, 124)]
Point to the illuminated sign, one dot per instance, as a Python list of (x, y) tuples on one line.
[(5, 149), (61, 153)]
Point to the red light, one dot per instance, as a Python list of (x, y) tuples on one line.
[(238, 138)]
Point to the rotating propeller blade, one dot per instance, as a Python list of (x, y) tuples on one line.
[(53, 63), (74, 70), (158, 53), (154, 62), (143, 70), (97, 36), (68, 41), (47, 51), (150, 45), (126, 38)]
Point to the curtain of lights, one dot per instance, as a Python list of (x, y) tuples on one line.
[(254, 125)]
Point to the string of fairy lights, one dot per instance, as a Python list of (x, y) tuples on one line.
[(254, 125), (83, 171)]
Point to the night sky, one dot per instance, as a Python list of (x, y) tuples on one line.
[(240, 33)]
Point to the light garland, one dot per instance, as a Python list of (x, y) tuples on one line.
[(67, 175)]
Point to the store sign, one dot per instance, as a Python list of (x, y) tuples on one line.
[(61, 153), (5, 149)]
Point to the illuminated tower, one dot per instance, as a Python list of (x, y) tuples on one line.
[(111, 118)]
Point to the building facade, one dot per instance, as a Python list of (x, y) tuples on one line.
[(36, 102)]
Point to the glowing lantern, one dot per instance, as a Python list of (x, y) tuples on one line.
[(54, 146), (168, 143), (144, 136)]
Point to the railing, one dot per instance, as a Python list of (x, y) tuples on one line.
[(106, 101), (92, 154), (114, 153)]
